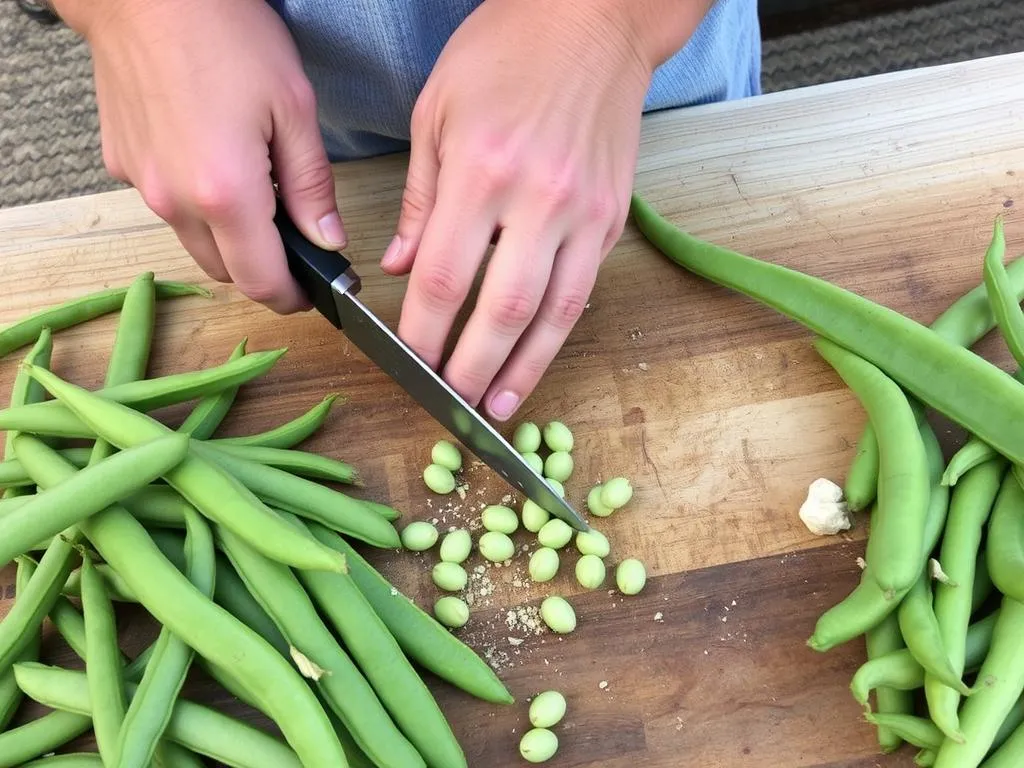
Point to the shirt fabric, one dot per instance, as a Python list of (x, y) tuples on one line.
[(368, 61)]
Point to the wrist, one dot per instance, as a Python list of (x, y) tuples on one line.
[(660, 28), (83, 16)]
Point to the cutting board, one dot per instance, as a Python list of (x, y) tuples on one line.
[(716, 408)]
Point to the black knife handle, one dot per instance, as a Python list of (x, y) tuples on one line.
[(313, 268)]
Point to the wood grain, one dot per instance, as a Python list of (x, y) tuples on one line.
[(716, 407)]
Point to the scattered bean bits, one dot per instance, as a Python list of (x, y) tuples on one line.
[(450, 577), (538, 745), (456, 546), (616, 493), (558, 466), (558, 614), (526, 438), (630, 576), (535, 461), (447, 455), (593, 542), (590, 571), (419, 536), (555, 534), (594, 503), (499, 518), (547, 709), (451, 611), (496, 546), (543, 564), (534, 516), (557, 436), (439, 479)]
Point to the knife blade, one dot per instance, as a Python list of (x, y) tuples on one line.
[(331, 284)]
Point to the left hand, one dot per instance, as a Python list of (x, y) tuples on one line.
[(528, 130)]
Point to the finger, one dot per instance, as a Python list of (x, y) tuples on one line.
[(449, 254), (572, 279), (197, 239), (303, 172), (509, 298), (418, 200)]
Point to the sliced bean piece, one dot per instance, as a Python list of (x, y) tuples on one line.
[(290, 434), (297, 462), (209, 412), (40, 737), (534, 516)]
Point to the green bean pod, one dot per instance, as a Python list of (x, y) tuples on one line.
[(13, 474), (861, 484), (10, 694), (201, 729), (40, 737), (209, 412), (424, 640), (103, 667), (925, 758), (918, 731), (351, 697), (209, 489), (170, 754), (291, 433), (999, 685), (973, 452), (116, 589), (176, 603), (1005, 306), (1004, 548), (1010, 754), (884, 641), (298, 462), (1010, 724), (71, 760), (940, 374), (150, 710), (25, 390), (397, 684), (84, 308), (970, 505)]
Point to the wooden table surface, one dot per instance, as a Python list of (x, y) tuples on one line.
[(717, 408)]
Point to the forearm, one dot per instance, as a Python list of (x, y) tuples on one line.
[(83, 15)]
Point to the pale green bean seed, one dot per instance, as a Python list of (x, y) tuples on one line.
[(543, 564), (451, 611), (556, 486), (558, 466), (499, 518), (534, 516), (630, 576), (547, 709), (439, 479), (538, 745), (456, 546), (590, 571), (419, 536), (616, 493), (526, 438), (594, 503), (558, 614), (496, 546), (446, 454), (450, 577), (593, 542), (535, 461), (556, 533), (557, 436)]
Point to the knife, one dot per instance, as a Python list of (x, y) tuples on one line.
[(331, 285)]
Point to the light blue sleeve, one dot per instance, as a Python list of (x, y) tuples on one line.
[(368, 61)]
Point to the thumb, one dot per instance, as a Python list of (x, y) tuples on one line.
[(417, 204), (305, 179)]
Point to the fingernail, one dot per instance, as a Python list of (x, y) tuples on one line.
[(504, 404), (332, 231), (392, 253)]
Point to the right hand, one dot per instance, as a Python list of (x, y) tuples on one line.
[(202, 106)]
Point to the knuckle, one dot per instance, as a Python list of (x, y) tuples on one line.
[(513, 310), (300, 97), (568, 308), (158, 198), (260, 292), (558, 189), (494, 162), (441, 286), (312, 179), (601, 208), (217, 198)]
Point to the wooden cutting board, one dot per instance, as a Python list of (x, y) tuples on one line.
[(717, 408)]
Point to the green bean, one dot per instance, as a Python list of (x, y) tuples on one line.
[(925, 758), (209, 412), (918, 731), (73, 760), (40, 736), (150, 711), (1005, 544), (1010, 723), (212, 491), (25, 390), (298, 462), (10, 694), (116, 589), (291, 433), (201, 729), (861, 484), (999, 685), (158, 505), (884, 641), (87, 492), (1010, 753), (969, 509), (102, 661), (13, 475), (169, 754), (973, 452), (1005, 307), (54, 418), (422, 638), (176, 603), (940, 374), (375, 650), (306, 498), (84, 308)]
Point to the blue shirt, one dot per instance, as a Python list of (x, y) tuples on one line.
[(368, 61)]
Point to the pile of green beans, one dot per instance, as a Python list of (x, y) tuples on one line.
[(242, 548), (940, 601)]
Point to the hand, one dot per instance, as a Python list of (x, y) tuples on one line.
[(527, 128), (202, 107)]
